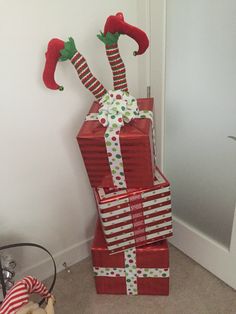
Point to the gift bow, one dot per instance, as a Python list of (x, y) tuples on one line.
[(117, 108)]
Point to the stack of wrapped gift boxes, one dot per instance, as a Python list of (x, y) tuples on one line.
[(130, 251), (117, 142)]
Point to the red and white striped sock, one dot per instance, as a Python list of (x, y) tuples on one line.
[(86, 76), (117, 67), (19, 294)]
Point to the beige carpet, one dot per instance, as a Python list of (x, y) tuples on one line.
[(193, 290)]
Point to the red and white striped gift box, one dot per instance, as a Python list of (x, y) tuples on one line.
[(135, 217)]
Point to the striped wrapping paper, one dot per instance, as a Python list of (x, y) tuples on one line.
[(135, 217), (136, 145)]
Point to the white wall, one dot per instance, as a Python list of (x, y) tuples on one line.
[(45, 193)]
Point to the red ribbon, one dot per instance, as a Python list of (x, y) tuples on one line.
[(137, 217)]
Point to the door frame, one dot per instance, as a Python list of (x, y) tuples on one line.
[(204, 250)]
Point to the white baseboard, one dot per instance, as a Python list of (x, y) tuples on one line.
[(71, 256), (208, 253)]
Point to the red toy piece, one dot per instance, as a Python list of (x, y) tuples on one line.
[(52, 57)]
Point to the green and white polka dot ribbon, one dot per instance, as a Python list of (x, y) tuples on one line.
[(117, 108), (131, 272)]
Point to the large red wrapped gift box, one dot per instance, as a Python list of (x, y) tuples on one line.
[(135, 217), (144, 270), (136, 143)]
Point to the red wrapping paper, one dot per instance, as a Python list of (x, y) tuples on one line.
[(136, 148), (135, 217), (155, 256)]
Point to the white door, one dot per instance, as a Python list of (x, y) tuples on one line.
[(193, 80)]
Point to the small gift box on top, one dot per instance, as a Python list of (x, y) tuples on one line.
[(135, 217), (143, 270), (121, 156)]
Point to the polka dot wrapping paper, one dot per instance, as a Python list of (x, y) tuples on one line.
[(137, 271), (128, 162), (135, 217)]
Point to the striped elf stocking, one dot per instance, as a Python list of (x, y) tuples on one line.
[(115, 61), (69, 52), (115, 26), (86, 77), (82, 68), (19, 294)]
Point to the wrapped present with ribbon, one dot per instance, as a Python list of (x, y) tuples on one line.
[(135, 217), (136, 271), (117, 141)]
